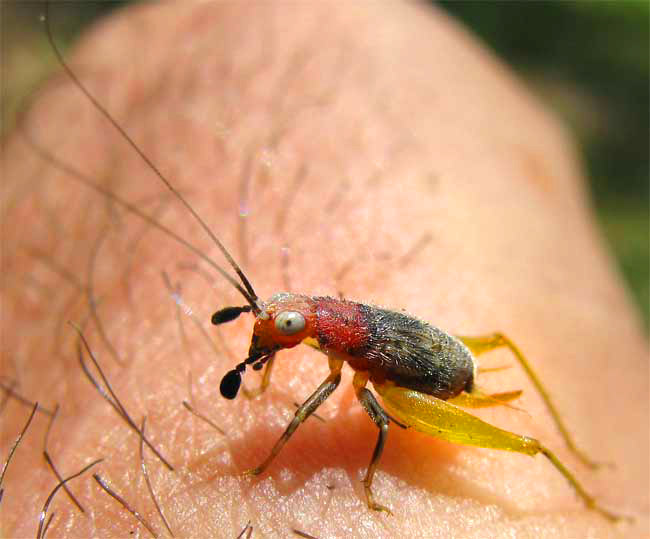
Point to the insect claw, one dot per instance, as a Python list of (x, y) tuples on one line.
[(381, 508), (372, 504), (252, 472)]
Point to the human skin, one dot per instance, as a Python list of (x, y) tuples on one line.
[(347, 133)]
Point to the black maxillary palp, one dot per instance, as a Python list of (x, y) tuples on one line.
[(231, 382), (228, 314)]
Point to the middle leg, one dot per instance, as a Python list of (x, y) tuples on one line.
[(381, 419)]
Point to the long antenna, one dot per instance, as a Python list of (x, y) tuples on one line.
[(251, 297), (73, 173)]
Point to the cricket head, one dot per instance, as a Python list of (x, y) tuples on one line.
[(284, 321)]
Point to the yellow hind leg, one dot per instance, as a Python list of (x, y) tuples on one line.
[(476, 399), (480, 345), (443, 420)]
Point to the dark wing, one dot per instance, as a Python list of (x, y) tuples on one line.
[(417, 355)]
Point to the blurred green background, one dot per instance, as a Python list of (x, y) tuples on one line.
[(588, 59)]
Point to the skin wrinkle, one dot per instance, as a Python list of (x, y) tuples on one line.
[(383, 123)]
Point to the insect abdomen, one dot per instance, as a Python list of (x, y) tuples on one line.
[(396, 347)]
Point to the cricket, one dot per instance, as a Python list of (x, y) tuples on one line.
[(425, 377)]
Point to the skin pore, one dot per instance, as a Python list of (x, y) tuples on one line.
[(322, 143)]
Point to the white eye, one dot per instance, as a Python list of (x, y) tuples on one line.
[(289, 322)]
